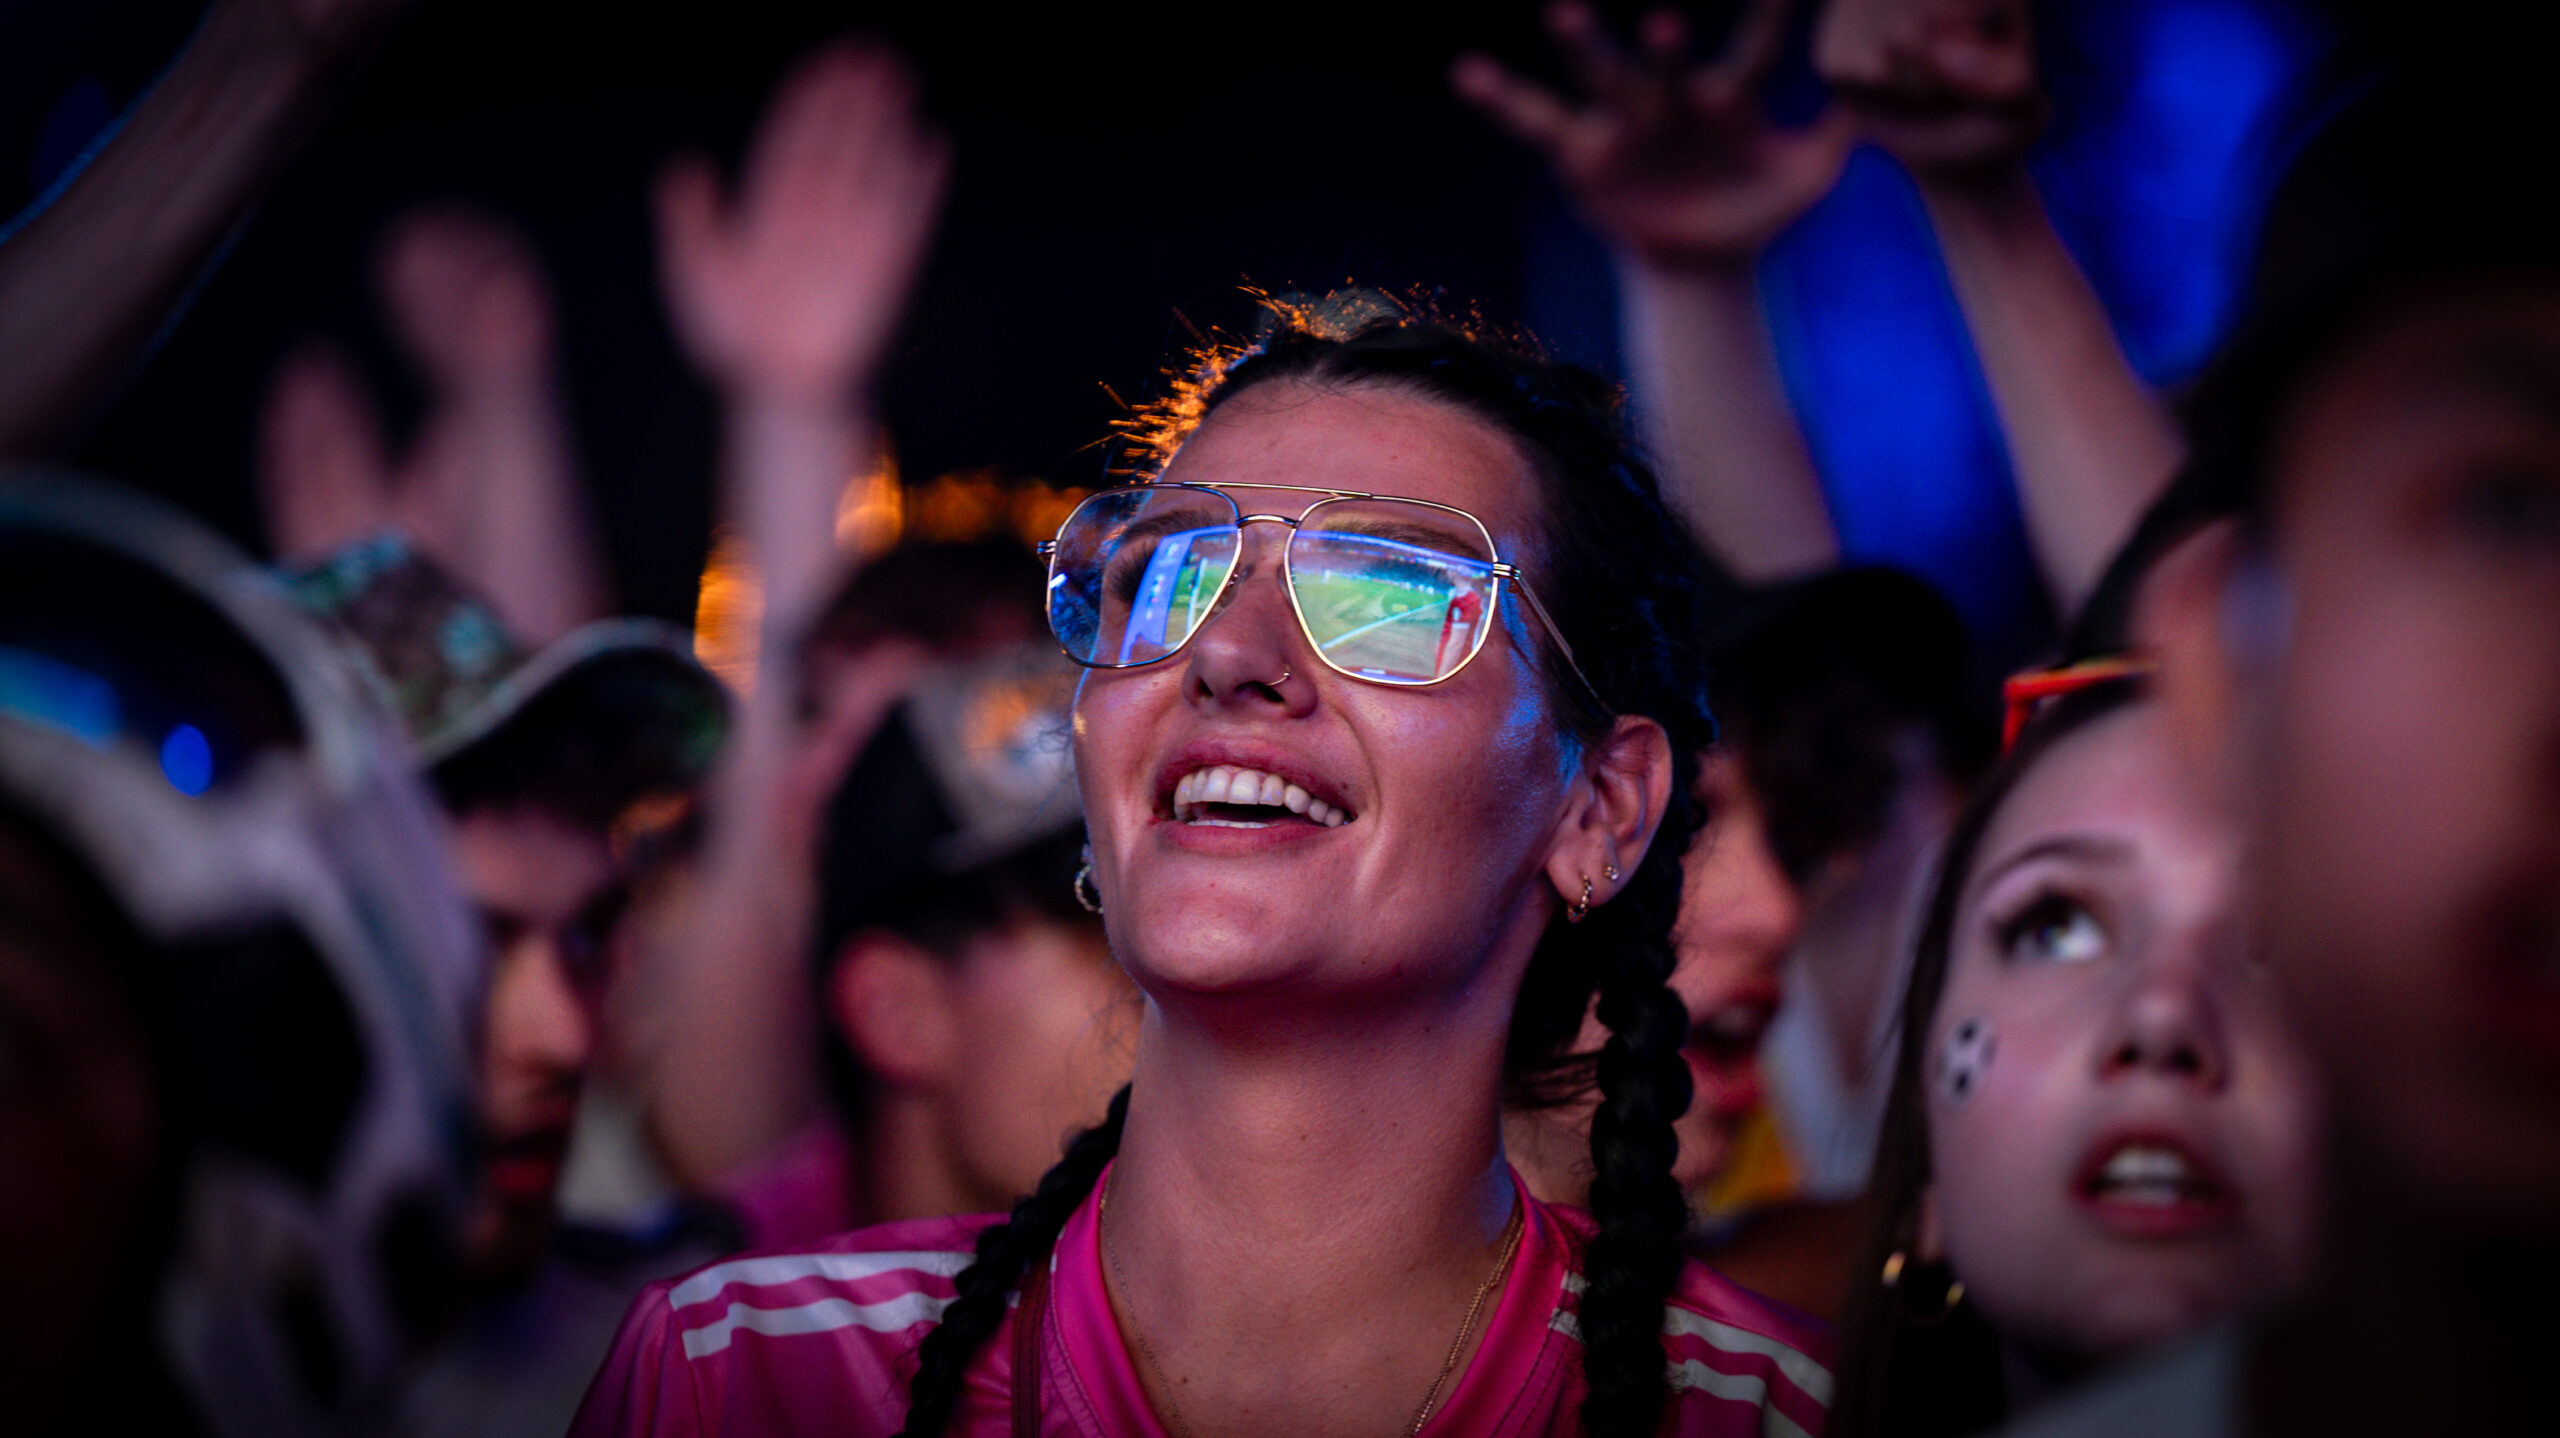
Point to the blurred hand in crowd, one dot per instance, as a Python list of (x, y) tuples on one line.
[(1948, 86), (490, 487), (784, 287), (1673, 159), (790, 283)]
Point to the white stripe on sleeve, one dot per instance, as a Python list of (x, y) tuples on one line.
[(792, 1267), (825, 1316)]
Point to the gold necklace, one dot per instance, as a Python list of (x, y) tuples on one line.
[(1430, 1397)]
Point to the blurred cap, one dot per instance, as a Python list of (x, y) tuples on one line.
[(972, 768), (456, 678)]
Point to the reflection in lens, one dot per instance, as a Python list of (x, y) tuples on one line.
[(1137, 571), (1388, 593)]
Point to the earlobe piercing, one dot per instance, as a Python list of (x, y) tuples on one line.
[(1087, 893), (1580, 909), (1611, 870)]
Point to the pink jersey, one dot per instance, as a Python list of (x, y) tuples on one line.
[(822, 1341)]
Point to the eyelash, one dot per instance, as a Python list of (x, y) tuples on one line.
[(2047, 908)]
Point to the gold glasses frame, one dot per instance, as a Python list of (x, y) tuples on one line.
[(1500, 569)]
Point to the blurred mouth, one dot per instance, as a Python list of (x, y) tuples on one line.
[(526, 1169), (1731, 1035), (2153, 1185)]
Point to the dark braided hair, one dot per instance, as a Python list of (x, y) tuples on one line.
[(1622, 577)]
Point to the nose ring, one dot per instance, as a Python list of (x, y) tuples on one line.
[(1285, 672)]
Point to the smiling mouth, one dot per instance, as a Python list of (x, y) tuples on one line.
[(1224, 796)]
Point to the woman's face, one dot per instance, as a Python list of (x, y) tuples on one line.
[(1739, 914), (1449, 797), (2120, 1125)]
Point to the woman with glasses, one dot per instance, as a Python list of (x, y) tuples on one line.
[(1386, 748)]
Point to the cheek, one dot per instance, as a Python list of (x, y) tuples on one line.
[(1999, 1129)]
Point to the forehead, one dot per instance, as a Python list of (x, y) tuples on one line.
[(2112, 788), (1370, 438)]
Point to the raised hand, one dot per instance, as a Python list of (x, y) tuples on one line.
[(1673, 160), (1948, 86), (466, 297), (790, 286)]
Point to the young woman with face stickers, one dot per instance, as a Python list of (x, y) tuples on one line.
[(2101, 1132), (1358, 900)]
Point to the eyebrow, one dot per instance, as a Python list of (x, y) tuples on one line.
[(2091, 848)]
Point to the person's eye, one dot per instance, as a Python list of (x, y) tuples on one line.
[(2055, 928), (2512, 507)]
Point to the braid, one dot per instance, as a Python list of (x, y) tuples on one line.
[(1006, 1251), (1635, 1258)]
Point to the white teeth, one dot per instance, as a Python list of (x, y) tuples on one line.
[(2149, 1175), (1227, 784), (2139, 1164)]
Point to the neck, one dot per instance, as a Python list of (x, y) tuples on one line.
[(1338, 1196), (905, 1165)]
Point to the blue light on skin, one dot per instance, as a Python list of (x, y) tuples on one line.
[(187, 760)]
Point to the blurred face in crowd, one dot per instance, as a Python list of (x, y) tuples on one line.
[(2121, 1128), (1446, 801), (1738, 917), (2404, 700), (983, 1060), (548, 893)]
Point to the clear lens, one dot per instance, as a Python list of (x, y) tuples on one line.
[(1137, 571), (1396, 593)]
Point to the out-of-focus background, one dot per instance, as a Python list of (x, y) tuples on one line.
[(1122, 173)]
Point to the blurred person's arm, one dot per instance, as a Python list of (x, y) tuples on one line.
[(1950, 88), (1679, 168), (784, 292), (490, 488), (88, 279)]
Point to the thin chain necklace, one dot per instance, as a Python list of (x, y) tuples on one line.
[(1430, 1396)]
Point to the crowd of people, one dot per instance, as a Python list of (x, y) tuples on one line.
[(1437, 903)]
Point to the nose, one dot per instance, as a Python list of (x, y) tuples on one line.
[(539, 1027), (1251, 655), (2168, 1018)]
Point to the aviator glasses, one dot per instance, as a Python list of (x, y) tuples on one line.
[(1386, 589)]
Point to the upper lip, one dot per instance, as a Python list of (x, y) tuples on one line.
[(1732, 1030), (1244, 754)]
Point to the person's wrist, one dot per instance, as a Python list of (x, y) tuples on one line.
[(308, 49)]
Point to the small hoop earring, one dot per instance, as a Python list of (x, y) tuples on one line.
[(1087, 893), (1949, 1297), (1580, 909)]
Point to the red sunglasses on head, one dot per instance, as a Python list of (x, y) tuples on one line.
[(2026, 693)]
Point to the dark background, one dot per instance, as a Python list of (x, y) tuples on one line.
[(1122, 173)]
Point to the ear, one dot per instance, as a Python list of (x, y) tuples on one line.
[(1613, 810), (891, 1002), (2179, 617)]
